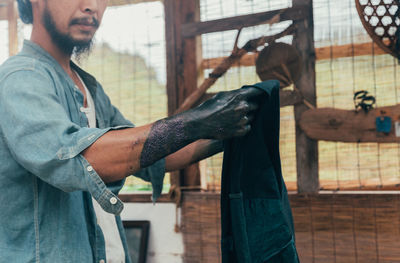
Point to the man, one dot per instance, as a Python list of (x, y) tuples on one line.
[(65, 150)]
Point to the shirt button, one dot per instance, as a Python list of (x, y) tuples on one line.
[(89, 168), (113, 200), (101, 261)]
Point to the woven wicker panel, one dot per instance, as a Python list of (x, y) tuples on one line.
[(380, 19), (329, 227)]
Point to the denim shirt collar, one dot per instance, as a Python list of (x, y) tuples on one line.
[(32, 49)]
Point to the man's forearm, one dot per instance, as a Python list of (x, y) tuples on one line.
[(116, 154), (192, 153), (105, 154), (166, 136)]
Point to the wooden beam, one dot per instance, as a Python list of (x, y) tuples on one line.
[(286, 98), (129, 2), (171, 67), (237, 22), (334, 52), (247, 60), (144, 198), (348, 125), (289, 98), (3, 11), (12, 16), (182, 68), (190, 12), (306, 148), (349, 50)]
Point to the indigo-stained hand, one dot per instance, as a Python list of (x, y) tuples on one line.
[(226, 115)]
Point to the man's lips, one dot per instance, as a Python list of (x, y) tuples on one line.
[(85, 24), (86, 27)]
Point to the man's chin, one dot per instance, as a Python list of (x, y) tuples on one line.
[(82, 47), (82, 39), (82, 43)]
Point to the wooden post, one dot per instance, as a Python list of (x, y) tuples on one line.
[(306, 148), (12, 17), (182, 67)]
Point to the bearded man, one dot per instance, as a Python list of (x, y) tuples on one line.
[(65, 150)]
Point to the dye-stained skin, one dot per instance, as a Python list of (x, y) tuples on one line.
[(226, 115)]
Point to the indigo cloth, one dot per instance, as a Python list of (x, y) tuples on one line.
[(256, 219), (46, 185)]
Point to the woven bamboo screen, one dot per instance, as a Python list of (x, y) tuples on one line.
[(361, 227), (352, 165)]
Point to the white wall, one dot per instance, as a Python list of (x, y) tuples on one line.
[(165, 246)]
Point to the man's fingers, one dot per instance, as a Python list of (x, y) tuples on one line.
[(250, 92), (245, 130), (250, 118), (246, 120), (246, 107), (252, 106)]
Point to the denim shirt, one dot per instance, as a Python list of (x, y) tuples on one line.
[(46, 184)]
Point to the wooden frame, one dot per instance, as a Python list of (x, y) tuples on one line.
[(12, 16), (9, 12), (144, 198), (3, 10), (238, 22), (302, 15), (329, 52), (182, 29), (306, 148), (139, 250), (182, 69)]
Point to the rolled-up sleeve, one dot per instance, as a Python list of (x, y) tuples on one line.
[(44, 141)]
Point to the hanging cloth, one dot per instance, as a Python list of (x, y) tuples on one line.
[(256, 219)]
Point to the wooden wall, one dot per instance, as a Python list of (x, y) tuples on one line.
[(343, 227)]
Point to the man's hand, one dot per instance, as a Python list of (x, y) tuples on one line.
[(226, 115)]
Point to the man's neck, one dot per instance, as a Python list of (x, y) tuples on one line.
[(42, 38)]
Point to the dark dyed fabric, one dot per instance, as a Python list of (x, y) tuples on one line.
[(257, 224)]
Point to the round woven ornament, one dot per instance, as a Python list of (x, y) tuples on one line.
[(279, 61), (380, 19)]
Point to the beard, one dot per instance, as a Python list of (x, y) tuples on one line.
[(65, 42)]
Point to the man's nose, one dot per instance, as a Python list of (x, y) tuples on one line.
[(89, 6)]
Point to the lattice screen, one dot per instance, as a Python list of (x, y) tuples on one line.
[(345, 165)]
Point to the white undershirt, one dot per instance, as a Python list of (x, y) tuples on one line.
[(114, 250)]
